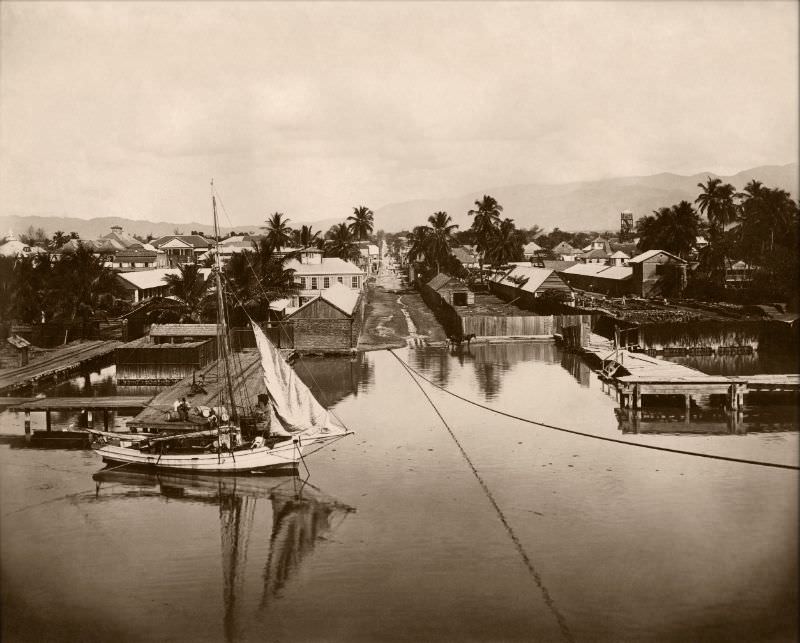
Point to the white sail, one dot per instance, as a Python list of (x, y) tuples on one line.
[(296, 408)]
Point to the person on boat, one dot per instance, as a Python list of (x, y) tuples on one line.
[(183, 410)]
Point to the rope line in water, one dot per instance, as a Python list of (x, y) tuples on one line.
[(562, 624), (697, 454)]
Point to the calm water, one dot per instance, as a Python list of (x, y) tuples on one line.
[(398, 540)]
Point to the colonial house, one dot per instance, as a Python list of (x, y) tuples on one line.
[(125, 239), (181, 248), (146, 284), (738, 274), (597, 252), (315, 274), (133, 258)]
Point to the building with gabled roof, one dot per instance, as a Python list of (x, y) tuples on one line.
[(451, 290), (145, 284), (329, 321), (527, 283)]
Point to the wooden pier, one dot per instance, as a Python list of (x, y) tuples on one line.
[(89, 405), (56, 363), (636, 374)]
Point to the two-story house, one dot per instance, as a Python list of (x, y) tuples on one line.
[(315, 274)]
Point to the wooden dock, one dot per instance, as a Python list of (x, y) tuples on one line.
[(88, 405), (247, 381), (637, 374), (56, 363)]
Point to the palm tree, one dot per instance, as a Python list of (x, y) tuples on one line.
[(716, 202), (672, 229), (189, 289), (340, 243), (439, 237), (58, 240), (505, 245), (278, 231), (255, 278), (418, 245), (361, 222), (484, 224), (306, 236)]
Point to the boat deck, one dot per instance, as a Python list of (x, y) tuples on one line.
[(247, 382)]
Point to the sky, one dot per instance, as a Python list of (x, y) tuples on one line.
[(118, 109)]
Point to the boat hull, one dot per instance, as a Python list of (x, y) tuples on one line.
[(284, 455)]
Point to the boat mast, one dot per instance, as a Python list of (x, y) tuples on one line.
[(223, 341)]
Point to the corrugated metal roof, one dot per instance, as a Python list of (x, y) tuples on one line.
[(329, 266), (183, 330), (533, 275), (564, 248), (154, 278), (600, 270)]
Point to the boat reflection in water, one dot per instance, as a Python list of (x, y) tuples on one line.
[(302, 516)]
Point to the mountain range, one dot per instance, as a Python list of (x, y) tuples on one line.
[(580, 205), (583, 205)]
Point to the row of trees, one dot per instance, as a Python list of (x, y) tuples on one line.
[(758, 226), (497, 240)]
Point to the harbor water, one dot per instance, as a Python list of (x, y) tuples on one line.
[(487, 528)]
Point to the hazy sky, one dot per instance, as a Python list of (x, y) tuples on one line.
[(129, 109)]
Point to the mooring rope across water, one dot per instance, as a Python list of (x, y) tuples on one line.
[(654, 447), (562, 624)]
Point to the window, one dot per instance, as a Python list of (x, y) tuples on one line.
[(340, 279), (354, 282), (302, 283), (326, 282), (313, 283)]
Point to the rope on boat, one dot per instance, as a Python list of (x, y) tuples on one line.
[(697, 454), (562, 624)]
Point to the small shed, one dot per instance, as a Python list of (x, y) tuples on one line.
[(14, 352), (453, 291), (180, 333)]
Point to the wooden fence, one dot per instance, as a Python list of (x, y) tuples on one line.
[(279, 333), (521, 325)]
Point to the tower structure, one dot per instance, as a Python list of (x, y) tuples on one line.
[(626, 225)]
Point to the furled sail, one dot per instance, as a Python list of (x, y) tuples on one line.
[(296, 408)]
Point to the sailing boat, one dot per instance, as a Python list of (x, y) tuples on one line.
[(297, 423)]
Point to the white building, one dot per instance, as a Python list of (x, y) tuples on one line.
[(315, 274)]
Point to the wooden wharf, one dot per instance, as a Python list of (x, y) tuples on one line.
[(636, 374), (88, 405), (56, 363)]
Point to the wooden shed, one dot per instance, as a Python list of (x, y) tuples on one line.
[(452, 291), (330, 321), (141, 362), (180, 333), (14, 352)]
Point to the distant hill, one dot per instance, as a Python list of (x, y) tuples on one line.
[(581, 205), (93, 228), (584, 205)]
